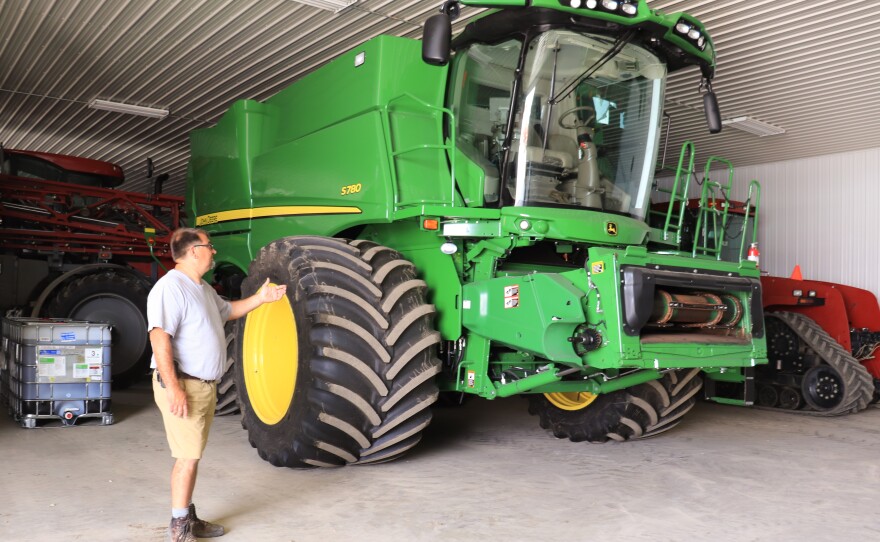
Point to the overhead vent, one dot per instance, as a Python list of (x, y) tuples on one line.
[(330, 5), (753, 126)]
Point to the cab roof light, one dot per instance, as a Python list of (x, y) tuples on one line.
[(692, 33), (627, 8)]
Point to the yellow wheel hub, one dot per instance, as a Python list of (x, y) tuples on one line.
[(571, 400), (270, 358)]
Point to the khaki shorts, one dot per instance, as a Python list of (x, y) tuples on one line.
[(188, 436)]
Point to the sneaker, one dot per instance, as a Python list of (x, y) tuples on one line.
[(180, 530), (202, 528)]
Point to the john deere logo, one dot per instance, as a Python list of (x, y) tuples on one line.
[(611, 228)]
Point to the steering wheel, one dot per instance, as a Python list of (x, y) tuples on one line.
[(578, 122)]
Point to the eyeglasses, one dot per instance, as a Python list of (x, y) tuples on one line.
[(209, 245)]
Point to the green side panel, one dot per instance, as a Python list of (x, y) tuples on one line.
[(535, 313), (392, 67), (325, 155), (221, 158), (470, 178), (575, 225), (321, 169), (418, 157)]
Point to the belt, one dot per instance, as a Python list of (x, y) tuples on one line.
[(184, 376)]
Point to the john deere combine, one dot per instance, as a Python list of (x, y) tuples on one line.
[(468, 216)]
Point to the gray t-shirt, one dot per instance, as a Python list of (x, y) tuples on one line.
[(194, 315)]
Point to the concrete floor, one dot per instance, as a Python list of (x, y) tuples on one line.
[(484, 471)]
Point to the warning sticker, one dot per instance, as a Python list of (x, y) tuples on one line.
[(598, 268), (95, 372), (511, 296), (471, 378)]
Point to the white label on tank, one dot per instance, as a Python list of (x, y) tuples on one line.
[(52, 366), (95, 355), (80, 370), (95, 372)]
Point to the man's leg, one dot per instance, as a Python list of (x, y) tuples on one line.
[(183, 481)]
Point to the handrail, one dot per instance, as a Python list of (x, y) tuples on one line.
[(754, 186), (674, 195), (389, 142), (712, 189)]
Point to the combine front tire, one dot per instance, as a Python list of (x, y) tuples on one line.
[(641, 411), (342, 370)]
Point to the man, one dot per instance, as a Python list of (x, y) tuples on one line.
[(185, 320)]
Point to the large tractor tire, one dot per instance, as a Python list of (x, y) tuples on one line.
[(227, 393), (640, 411), (121, 300), (341, 371)]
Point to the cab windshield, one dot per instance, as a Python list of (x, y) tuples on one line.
[(586, 125)]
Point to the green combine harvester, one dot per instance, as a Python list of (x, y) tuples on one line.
[(469, 216)]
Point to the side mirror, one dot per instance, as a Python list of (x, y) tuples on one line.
[(436, 39), (713, 113)]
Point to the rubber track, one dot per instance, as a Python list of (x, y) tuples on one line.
[(857, 381)]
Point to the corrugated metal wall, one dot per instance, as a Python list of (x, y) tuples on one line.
[(820, 213)]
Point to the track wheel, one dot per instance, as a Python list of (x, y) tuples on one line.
[(767, 396), (120, 299), (822, 388), (789, 398), (342, 370), (640, 411)]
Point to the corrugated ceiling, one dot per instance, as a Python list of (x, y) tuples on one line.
[(808, 67)]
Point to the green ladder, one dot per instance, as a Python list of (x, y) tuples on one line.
[(678, 195)]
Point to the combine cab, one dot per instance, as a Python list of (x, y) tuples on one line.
[(469, 217), (71, 246)]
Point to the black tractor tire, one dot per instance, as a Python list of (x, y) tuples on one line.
[(365, 357), (637, 412), (227, 393), (121, 300)]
